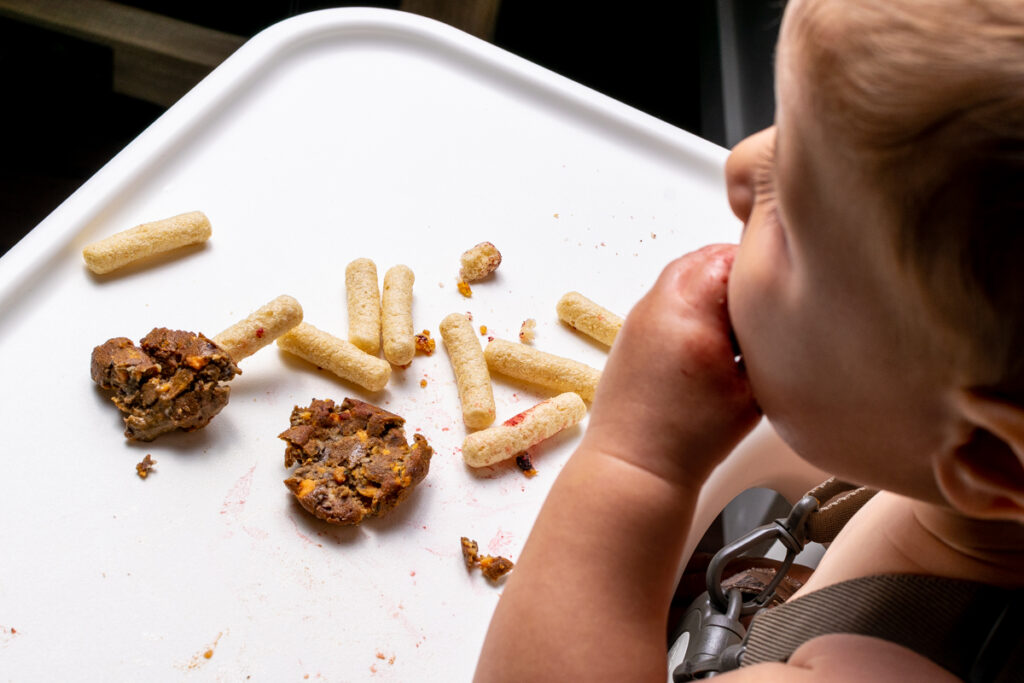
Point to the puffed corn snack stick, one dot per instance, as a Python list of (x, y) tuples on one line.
[(589, 318), (471, 376), (546, 369), (345, 360), (523, 431), (260, 328), (144, 240)]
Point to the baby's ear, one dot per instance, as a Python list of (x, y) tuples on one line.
[(984, 476)]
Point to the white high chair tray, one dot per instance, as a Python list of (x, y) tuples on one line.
[(334, 135)]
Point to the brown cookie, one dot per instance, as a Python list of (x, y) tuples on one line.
[(172, 380), (353, 460)]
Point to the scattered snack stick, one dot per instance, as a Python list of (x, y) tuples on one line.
[(479, 262), (262, 327), (490, 566), (545, 369), (528, 331), (586, 316), (353, 460), (145, 240), (524, 430), (471, 375), (145, 467), (345, 360), (396, 315), (363, 296)]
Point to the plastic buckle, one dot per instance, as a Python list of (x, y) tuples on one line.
[(791, 532)]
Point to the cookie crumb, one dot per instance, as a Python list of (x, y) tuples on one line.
[(145, 467), (464, 289), (524, 463), (424, 343), (490, 566)]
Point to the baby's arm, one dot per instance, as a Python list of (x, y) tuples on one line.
[(591, 590)]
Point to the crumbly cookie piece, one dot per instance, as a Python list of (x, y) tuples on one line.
[(491, 566), (172, 380), (353, 460)]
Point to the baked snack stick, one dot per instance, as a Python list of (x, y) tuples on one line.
[(396, 316), (345, 360), (260, 328), (546, 369), (524, 430), (587, 317), (471, 376), (145, 240), (363, 297)]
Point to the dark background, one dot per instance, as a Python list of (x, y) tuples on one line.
[(61, 119)]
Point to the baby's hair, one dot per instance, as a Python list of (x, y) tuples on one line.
[(930, 94)]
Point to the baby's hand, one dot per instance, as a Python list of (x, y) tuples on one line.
[(672, 399)]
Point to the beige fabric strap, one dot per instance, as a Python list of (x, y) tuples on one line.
[(838, 501), (946, 620)]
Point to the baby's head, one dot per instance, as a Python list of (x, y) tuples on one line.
[(878, 292)]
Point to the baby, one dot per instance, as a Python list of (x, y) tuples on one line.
[(877, 296)]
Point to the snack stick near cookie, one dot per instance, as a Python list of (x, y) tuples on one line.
[(396, 315), (342, 358), (363, 295), (526, 363), (589, 318), (145, 240), (471, 375), (524, 430), (260, 328)]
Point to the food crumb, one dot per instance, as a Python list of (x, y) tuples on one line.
[(483, 329), (528, 331), (653, 236), (424, 343), (391, 659), (208, 654), (381, 655), (469, 316), (423, 383), (145, 467), (524, 463), (491, 566), (464, 289), (479, 262), (556, 215)]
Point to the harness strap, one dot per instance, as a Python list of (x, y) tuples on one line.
[(838, 501), (958, 618)]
